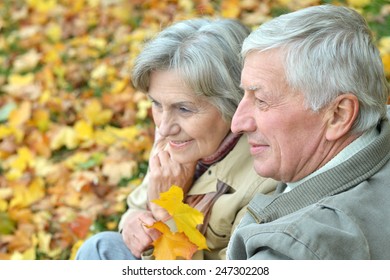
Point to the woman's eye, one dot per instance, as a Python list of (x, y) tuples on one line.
[(155, 103)]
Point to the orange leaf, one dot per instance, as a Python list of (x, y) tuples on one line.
[(185, 217), (20, 115), (230, 8), (80, 226), (171, 245)]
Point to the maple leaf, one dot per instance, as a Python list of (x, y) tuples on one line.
[(171, 245), (6, 224), (42, 5), (80, 226), (20, 115), (230, 8), (65, 136), (185, 217), (26, 61), (96, 114), (26, 195)]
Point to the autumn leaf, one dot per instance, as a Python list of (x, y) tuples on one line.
[(80, 226), (171, 245), (26, 195), (65, 137), (7, 225), (42, 5), (185, 217), (230, 8), (96, 114), (20, 115)]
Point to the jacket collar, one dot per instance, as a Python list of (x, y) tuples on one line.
[(224, 170)]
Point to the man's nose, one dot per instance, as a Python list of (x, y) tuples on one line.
[(243, 120)]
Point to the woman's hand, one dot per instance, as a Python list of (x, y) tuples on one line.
[(163, 173), (136, 235)]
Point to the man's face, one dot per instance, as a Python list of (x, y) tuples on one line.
[(286, 139)]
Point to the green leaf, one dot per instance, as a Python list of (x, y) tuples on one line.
[(7, 226)]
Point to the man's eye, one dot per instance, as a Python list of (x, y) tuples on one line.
[(184, 110), (259, 101), (261, 104)]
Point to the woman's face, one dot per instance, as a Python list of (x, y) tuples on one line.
[(192, 127)]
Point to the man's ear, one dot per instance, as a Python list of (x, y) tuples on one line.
[(342, 114)]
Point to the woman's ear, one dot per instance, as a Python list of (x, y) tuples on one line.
[(342, 114)]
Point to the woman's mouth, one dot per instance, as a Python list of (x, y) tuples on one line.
[(179, 144)]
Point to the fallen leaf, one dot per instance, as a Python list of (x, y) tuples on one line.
[(171, 245)]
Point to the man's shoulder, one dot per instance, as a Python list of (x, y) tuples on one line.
[(313, 232)]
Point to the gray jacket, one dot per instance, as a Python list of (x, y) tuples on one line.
[(343, 213)]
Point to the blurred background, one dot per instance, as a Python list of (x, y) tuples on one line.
[(74, 134)]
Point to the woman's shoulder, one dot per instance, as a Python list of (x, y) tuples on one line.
[(237, 170)]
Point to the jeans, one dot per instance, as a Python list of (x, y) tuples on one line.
[(107, 245)]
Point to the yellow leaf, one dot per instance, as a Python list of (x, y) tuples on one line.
[(230, 8), (73, 161), (29, 254), (42, 6), (21, 80), (386, 63), (67, 137), (84, 130), (99, 72), (104, 137), (127, 134), (3, 205), (54, 32), (44, 240), (41, 119), (20, 115), (25, 159), (171, 245), (24, 196), (185, 217), (4, 131), (96, 115), (358, 3), (27, 61), (143, 107), (384, 48), (98, 43), (13, 174), (75, 248)]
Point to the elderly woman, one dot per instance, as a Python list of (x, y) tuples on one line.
[(191, 73)]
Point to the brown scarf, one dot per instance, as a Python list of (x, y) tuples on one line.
[(205, 202)]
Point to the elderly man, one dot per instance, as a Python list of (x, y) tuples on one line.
[(315, 116)]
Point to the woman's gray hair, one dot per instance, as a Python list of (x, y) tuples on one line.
[(206, 55), (329, 51)]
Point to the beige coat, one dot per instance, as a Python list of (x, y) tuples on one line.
[(235, 170)]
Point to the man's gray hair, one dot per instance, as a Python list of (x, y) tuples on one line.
[(328, 51)]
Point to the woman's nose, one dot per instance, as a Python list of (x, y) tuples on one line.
[(168, 125)]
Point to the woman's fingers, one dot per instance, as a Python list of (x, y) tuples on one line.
[(136, 232)]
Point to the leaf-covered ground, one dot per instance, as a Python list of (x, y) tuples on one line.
[(74, 135)]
